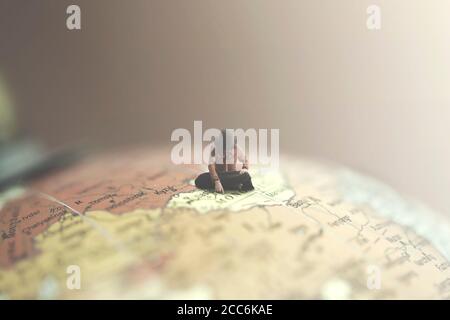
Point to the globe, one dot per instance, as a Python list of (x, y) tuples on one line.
[(7, 116), (130, 224)]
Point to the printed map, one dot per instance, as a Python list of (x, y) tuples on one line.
[(136, 227)]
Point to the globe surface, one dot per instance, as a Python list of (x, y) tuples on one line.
[(132, 225)]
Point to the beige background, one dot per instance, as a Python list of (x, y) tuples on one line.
[(377, 101)]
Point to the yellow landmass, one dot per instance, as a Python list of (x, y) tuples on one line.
[(270, 189)]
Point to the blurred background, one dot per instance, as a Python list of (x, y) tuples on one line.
[(377, 101)]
